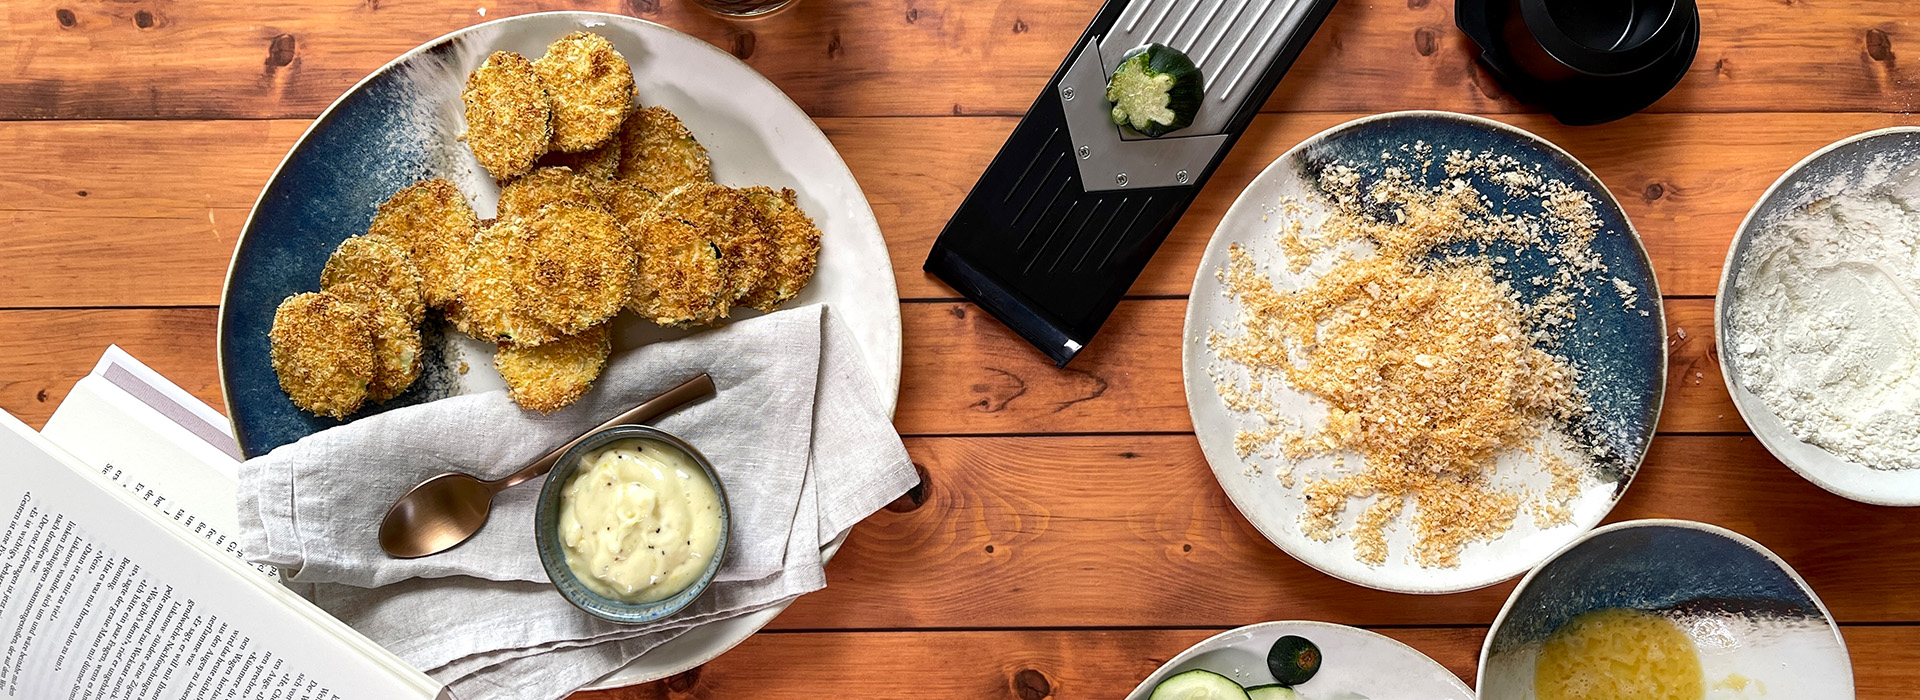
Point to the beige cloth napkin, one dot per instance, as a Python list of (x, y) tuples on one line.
[(796, 432)]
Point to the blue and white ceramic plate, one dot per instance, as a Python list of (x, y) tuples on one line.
[(1355, 664), (1616, 341), (1759, 630), (401, 124)]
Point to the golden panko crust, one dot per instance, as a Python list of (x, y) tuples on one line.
[(382, 263), (728, 218), (658, 153), (551, 376), (680, 281), (573, 266), (598, 163), (591, 87), (396, 338), (487, 308), (796, 248), (322, 351), (509, 115), (524, 197), (434, 221)]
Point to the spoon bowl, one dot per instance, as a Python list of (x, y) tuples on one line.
[(447, 509)]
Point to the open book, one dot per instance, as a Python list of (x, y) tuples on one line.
[(118, 575)]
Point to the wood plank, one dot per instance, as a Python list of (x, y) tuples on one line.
[(164, 202), (98, 59), (1024, 532), (1076, 665), (1134, 530), (964, 372)]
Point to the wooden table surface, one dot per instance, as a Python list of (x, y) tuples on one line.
[(1069, 537)]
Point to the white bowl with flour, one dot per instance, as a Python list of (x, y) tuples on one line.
[(1819, 320)]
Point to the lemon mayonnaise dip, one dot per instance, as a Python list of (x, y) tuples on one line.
[(639, 521)]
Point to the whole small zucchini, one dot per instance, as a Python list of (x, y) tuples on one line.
[(1156, 90)]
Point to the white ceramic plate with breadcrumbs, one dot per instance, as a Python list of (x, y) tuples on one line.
[(1424, 351)]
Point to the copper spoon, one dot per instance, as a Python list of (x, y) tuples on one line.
[(445, 510)]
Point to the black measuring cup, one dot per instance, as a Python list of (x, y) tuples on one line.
[(1585, 61)]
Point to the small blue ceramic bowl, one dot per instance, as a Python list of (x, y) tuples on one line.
[(1752, 619), (546, 530)]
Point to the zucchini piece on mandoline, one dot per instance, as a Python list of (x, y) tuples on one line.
[(1156, 90), (1198, 685)]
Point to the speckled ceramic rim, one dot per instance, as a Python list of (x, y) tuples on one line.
[(1189, 376), (1506, 609), (546, 534), (1750, 406), (1207, 644)]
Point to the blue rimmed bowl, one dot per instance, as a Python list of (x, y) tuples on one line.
[(1758, 628), (546, 530)]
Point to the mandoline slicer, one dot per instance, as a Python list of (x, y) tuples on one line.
[(1068, 213)]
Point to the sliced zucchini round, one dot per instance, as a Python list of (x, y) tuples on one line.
[(1156, 90), (1272, 691), (1198, 685)]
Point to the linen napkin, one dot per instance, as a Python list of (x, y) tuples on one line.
[(796, 432)]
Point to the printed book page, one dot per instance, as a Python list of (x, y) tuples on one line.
[(159, 442), (103, 596)]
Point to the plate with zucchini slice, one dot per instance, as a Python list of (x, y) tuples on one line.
[(1300, 660)]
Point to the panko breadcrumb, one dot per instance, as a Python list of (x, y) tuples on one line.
[(598, 163), (629, 202), (509, 115), (381, 262), (488, 306), (396, 338), (658, 153), (524, 197), (1427, 366), (591, 86), (322, 351), (728, 218), (572, 266), (434, 221), (796, 248), (680, 282), (550, 376)]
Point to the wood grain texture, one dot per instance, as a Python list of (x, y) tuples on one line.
[(99, 59), (158, 209), (1079, 665), (963, 372)]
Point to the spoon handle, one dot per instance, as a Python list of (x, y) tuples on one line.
[(694, 389)]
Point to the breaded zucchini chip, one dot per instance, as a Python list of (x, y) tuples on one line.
[(680, 282), (524, 197), (630, 203), (382, 263), (733, 223), (572, 266), (509, 116), (436, 225), (322, 350), (658, 153), (548, 377), (796, 248), (599, 163), (487, 307), (591, 86), (396, 339)]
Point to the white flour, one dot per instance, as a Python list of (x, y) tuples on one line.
[(1826, 331)]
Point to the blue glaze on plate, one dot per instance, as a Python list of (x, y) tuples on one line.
[(1654, 567), (1619, 352), (369, 145)]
